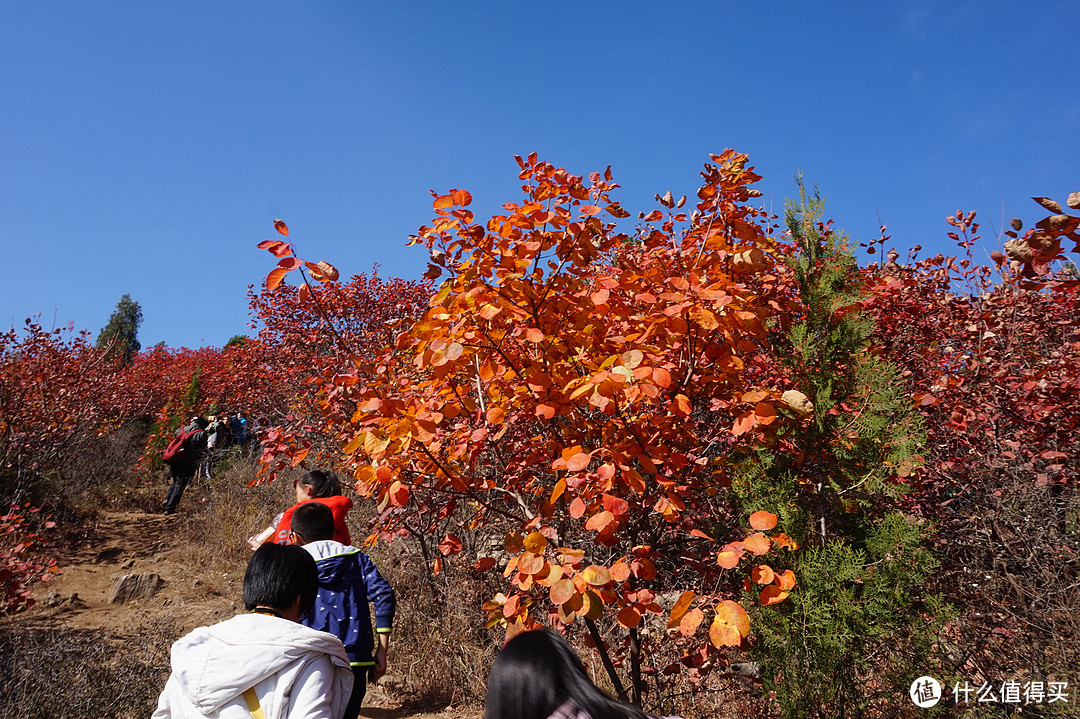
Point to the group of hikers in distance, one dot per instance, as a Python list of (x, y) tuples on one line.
[(197, 447), (305, 646)]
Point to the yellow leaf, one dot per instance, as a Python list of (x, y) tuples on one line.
[(682, 604), (597, 575), (536, 542)]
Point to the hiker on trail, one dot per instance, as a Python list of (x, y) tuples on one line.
[(239, 427), (263, 663), (218, 438), (538, 676), (183, 455), (348, 580), (315, 486)]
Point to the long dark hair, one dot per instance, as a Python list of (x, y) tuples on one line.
[(536, 673), (322, 484)]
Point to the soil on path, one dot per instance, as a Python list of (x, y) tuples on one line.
[(189, 595)]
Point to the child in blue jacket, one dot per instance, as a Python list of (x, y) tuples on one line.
[(348, 581)]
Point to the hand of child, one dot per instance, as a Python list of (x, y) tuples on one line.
[(378, 671)]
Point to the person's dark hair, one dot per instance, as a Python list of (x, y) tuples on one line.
[(277, 574), (536, 673), (313, 521), (322, 484)]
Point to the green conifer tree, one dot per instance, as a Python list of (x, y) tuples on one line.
[(857, 609), (120, 337)]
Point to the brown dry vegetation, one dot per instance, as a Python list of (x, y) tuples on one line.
[(75, 653)]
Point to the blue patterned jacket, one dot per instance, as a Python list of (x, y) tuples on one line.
[(348, 581)]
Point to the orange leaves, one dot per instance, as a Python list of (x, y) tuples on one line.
[(597, 575), (599, 521), (778, 582), (729, 625), (680, 405), (535, 542), (275, 277), (581, 369), (442, 203), (729, 556), (689, 623), (562, 591), (398, 494), (757, 544), (682, 605), (545, 411), (276, 247), (573, 459), (321, 271), (762, 415), (762, 574), (762, 521), (578, 462), (450, 545), (785, 580), (772, 594)]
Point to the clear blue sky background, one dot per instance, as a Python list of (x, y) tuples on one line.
[(146, 147)]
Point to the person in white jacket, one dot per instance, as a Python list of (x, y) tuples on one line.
[(263, 664)]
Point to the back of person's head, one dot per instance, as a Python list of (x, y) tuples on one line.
[(536, 673), (279, 573), (321, 484), (312, 522)]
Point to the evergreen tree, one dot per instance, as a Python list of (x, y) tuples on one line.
[(857, 606), (237, 340), (120, 337)]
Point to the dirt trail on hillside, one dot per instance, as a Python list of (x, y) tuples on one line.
[(135, 543)]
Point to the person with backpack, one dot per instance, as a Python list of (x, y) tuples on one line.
[(183, 456), (348, 581), (265, 662)]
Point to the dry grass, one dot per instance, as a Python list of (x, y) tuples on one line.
[(56, 672)]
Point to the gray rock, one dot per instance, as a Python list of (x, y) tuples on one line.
[(134, 586)]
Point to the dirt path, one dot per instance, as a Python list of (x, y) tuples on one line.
[(188, 595)]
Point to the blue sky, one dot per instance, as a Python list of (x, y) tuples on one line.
[(146, 147)]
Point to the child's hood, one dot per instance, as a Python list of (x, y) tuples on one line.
[(213, 665), (333, 559)]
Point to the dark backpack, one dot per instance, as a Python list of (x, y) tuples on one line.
[(178, 451)]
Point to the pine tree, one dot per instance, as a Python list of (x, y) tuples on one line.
[(120, 337), (861, 564)]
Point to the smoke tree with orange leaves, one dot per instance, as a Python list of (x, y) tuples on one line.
[(572, 390)]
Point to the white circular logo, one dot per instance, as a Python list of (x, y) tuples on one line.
[(925, 692)]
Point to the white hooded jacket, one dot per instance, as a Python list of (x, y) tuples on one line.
[(297, 672)]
